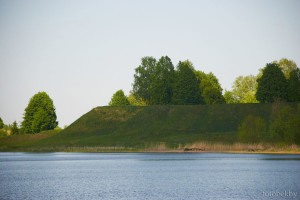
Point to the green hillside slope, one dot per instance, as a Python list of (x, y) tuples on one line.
[(129, 126)]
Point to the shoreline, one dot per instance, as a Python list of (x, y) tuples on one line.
[(158, 152)]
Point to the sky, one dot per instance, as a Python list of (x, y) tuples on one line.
[(81, 52)]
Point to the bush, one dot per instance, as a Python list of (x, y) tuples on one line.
[(286, 126), (252, 129), (119, 99)]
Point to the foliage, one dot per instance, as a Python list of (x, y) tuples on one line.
[(162, 82), (210, 88), (134, 101), (244, 89), (119, 99), (252, 129), (286, 66), (186, 87), (14, 128), (271, 85), (39, 114), (286, 127), (229, 97), (212, 95), (293, 87), (143, 79), (40, 121), (3, 132), (1, 123)]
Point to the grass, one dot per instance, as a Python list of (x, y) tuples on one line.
[(151, 129)]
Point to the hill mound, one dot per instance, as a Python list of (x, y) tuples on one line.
[(139, 126)]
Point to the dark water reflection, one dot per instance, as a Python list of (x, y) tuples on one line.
[(149, 176)]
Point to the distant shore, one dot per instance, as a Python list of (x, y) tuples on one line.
[(47, 142), (293, 149)]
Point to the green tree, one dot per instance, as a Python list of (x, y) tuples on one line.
[(252, 129), (286, 66), (143, 79), (134, 101), (283, 127), (14, 128), (210, 88), (186, 87), (1, 123), (229, 97), (212, 95), (162, 82), (271, 85), (39, 114), (296, 125), (293, 83), (244, 89), (119, 99)]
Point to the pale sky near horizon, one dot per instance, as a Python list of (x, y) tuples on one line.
[(81, 52)]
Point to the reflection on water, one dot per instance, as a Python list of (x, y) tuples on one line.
[(149, 176)]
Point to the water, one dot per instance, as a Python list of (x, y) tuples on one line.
[(149, 176)]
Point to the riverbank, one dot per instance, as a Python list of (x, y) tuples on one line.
[(200, 147)]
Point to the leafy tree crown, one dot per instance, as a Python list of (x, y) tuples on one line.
[(40, 114)]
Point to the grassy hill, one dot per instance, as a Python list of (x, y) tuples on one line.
[(141, 127)]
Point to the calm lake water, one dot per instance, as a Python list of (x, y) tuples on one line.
[(149, 176)]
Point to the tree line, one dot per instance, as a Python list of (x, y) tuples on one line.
[(159, 83)]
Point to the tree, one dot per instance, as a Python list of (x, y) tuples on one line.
[(186, 87), (284, 127), (286, 66), (272, 84), (1, 123), (14, 128), (293, 87), (296, 125), (212, 95), (244, 89), (162, 82), (119, 99), (252, 129), (229, 97), (143, 79), (39, 114), (134, 101), (210, 88)]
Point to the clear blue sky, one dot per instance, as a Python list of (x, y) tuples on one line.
[(81, 52)]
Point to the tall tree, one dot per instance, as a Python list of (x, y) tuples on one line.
[(210, 88), (272, 84), (244, 89), (294, 85), (39, 114), (286, 66), (186, 87), (119, 99), (162, 82), (143, 79)]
